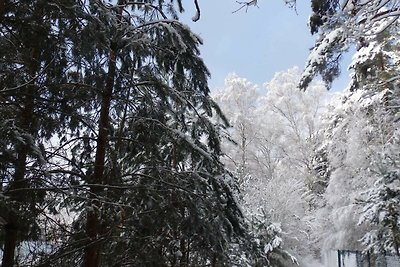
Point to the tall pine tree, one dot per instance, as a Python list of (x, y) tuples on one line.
[(113, 131)]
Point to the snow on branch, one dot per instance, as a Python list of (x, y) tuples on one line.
[(319, 55)]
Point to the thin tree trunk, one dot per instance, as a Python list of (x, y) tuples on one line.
[(9, 245), (183, 262), (25, 122), (18, 182), (214, 261), (91, 257), (91, 254)]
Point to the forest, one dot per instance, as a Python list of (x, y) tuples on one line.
[(115, 152)]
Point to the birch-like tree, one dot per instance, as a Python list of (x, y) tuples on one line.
[(278, 133)]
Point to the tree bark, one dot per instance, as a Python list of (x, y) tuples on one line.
[(10, 244), (214, 261), (91, 256), (92, 250), (26, 117)]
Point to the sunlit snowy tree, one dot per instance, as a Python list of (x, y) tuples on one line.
[(239, 100), (295, 118), (281, 129), (379, 75), (361, 150)]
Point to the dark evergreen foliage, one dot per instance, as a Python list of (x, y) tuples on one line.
[(322, 10), (85, 83)]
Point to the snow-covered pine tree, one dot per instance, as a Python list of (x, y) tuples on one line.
[(134, 157), (34, 40), (376, 71), (361, 148), (341, 24), (380, 204)]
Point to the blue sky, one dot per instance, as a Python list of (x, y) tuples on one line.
[(254, 44)]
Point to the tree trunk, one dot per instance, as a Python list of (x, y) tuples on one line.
[(92, 250), (91, 255), (25, 122), (214, 261), (12, 226), (9, 245)]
